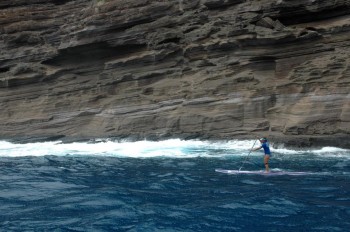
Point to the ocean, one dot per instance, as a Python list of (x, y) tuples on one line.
[(170, 186)]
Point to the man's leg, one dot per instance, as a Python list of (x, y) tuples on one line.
[(266, 162)]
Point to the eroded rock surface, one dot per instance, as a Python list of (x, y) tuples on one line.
[(216, 69)]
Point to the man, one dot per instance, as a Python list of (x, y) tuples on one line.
[(267, 152)]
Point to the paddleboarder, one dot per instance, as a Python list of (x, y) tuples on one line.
[(267, 152)]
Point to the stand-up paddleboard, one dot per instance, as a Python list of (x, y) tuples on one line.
[(271, 173)]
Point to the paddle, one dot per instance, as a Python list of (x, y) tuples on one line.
[(247, 156)]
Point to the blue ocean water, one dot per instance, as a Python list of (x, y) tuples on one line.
[(170, 186)]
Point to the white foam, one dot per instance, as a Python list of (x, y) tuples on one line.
[(173, 148), (325, 151), (144, 149), (330, 150)]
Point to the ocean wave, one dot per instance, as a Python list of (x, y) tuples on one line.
[(175, 148)]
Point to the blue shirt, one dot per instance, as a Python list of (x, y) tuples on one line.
[(266, 148)]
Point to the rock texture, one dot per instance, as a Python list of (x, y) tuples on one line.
[(214, 69)]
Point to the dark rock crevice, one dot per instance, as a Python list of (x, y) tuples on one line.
[(4, 69), (300, 14), (92, 53)]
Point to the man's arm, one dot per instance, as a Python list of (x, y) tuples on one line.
[(257, 148)]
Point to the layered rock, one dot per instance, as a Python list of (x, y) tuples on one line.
[(216, 69)]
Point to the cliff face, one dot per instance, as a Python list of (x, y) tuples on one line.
[(187, 68)]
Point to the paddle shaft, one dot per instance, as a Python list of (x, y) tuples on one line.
[(247, 156)]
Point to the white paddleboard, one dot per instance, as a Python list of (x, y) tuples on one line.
[(271, 173)]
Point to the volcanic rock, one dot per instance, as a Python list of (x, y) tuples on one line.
[(210, 69)]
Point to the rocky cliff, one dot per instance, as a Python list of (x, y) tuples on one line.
[(214, 69)]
